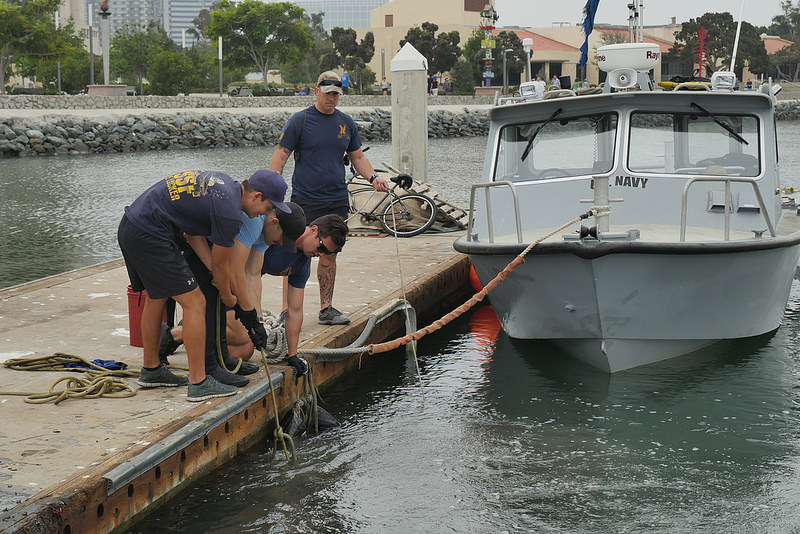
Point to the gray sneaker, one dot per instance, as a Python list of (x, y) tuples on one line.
[(161, 377), (331, 315), (208, 389)]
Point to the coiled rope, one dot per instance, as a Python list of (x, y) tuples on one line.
[(475, 299), (98, 381)]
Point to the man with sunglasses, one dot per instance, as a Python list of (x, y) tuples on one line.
[(319, 137), (284, 246)]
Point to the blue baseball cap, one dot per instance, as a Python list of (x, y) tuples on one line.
[(272, 186)]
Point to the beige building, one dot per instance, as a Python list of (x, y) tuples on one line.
[(556, 50)]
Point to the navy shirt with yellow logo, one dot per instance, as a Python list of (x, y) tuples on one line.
[(200, 203), (321, 140)]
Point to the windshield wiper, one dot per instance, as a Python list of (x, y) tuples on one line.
[(555, 114), (725, 126)]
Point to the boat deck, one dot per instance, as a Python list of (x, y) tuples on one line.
[(62, 451)]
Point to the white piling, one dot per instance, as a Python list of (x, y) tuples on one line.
[(410, 112)]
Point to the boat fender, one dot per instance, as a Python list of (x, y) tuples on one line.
[(474, 281)]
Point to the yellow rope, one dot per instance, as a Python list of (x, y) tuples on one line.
[(278, 433), (97, 382)]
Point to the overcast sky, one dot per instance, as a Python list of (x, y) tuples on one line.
[(543, 13)]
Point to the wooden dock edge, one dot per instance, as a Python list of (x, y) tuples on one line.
[(82, 503)]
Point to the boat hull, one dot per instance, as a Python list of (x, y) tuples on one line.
[(626, 308)]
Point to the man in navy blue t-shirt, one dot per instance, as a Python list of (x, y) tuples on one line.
[(257, 252), (320, 136), (200, 206)]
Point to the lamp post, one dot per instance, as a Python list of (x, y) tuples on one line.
[(91, 48), (58, 64), (527, 44), (105, 25), (505, 72), (383, 63)]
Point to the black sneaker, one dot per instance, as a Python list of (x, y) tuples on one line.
[(246, 368), (224, 377), (331, 315), (166, 344)]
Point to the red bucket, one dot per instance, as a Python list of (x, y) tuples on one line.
[(136, 300)]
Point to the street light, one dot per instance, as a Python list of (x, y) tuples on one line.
[(505, 72), (527, 44)]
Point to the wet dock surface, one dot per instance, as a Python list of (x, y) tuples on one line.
[(48, 451)]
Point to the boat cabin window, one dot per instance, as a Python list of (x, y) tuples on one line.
[(694, 143), (556, 147)]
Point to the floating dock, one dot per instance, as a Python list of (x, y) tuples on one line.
[(99, 465)]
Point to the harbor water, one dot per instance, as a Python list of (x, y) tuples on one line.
[(490, 434)]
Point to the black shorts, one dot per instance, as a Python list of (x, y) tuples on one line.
[(315, 209), (153, 264)]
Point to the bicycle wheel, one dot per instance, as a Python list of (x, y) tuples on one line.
[(411, 214)]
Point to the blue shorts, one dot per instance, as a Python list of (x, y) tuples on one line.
[(153, 264)]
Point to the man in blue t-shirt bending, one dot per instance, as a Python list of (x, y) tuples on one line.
[(198, 206), (319, 136), (255, 253)]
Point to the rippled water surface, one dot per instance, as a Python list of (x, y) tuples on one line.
[(509, 436), (502, 435), (61, 213)]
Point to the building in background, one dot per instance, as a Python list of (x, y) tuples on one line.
[(341, 13), (179, 18), (125, 13)]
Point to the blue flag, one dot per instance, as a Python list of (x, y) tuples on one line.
[(589, 11)]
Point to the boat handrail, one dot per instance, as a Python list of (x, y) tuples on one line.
[(727, 180), (489, 223), (692, 85)]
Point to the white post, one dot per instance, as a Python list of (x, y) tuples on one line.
[(527, 44), (220, 65), (58, 63), (409, 71)]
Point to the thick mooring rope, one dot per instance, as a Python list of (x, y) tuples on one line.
[(451, 316)]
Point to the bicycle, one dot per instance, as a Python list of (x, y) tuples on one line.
[(405, 215)]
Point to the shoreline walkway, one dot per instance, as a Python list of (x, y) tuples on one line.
[(55, 460)]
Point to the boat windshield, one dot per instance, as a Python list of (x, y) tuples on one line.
[(694, 143), (556, 147)]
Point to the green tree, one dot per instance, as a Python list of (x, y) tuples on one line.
[(720, 30), (257, 33), (171, 72), (133, 48), (74, 66), (441, 51), (347, 52), (309, 68), (463, 76), (474, 54), (27, 28), (787, 24)]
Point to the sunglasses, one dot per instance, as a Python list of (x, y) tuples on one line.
[(337, 83), (322, 249)]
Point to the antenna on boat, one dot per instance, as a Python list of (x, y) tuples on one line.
[(726, 80), (736, 41), (635, 23)]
